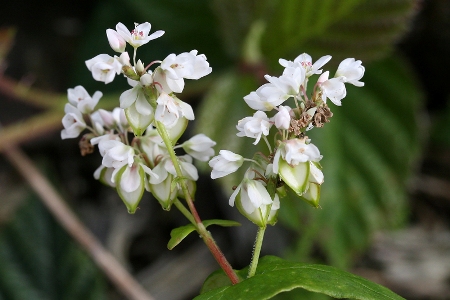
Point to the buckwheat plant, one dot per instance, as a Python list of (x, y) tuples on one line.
[(138, 139)]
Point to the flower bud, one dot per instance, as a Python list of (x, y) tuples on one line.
[(199, 147), (295, 177), (146, 79), (139, 67), (225, 163), (164, 193), (312, 195), (137, 121), (116, 42), (124, 59), (130, 185)]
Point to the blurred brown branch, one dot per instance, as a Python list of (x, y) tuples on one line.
[(69, 221)]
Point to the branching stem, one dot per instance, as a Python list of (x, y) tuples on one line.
[(206, 236)]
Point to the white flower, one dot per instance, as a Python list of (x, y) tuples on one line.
[(73, 122), (315, 174), (282, 118), (160, 80), (351, 70), (104, 174), (80, 98), (139, 35), (225, 163), (116, 41), (266, 97), (255, 126), (187, 168), (199, 147), (153, 146), (333, 89), (253, 200), (130, 183), (295, 151), (290, 82), (166, 167), (304, 60), (187, 65), (104, 67), (136, 96), (109, 136), (130, 179), (97, 122), (253, 195), (119, 118), (170, 109), (115, 154)]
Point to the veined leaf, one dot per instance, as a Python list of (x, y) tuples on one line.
[(274, 276)]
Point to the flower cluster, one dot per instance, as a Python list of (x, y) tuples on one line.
[(149, 109), (294, 160)]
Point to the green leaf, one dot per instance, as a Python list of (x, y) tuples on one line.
[(178, 234), (274, 276), (40, 261), (344, 28), (347, 28), (223, 223)]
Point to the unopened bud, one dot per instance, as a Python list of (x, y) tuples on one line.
[(146, 79), (139, 67), (116, 42), (124, 59)]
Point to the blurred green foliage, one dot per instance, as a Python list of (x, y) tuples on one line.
[(40, 261)]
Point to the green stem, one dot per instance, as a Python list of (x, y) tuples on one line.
[(184, 211), (256, 251), (206, 236)]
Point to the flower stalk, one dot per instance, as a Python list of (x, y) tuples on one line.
[(201, 229), (256, 251)]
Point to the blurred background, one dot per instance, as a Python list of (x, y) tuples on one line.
[(386, 197)]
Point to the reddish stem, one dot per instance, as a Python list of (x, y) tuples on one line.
[(211, 244)]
